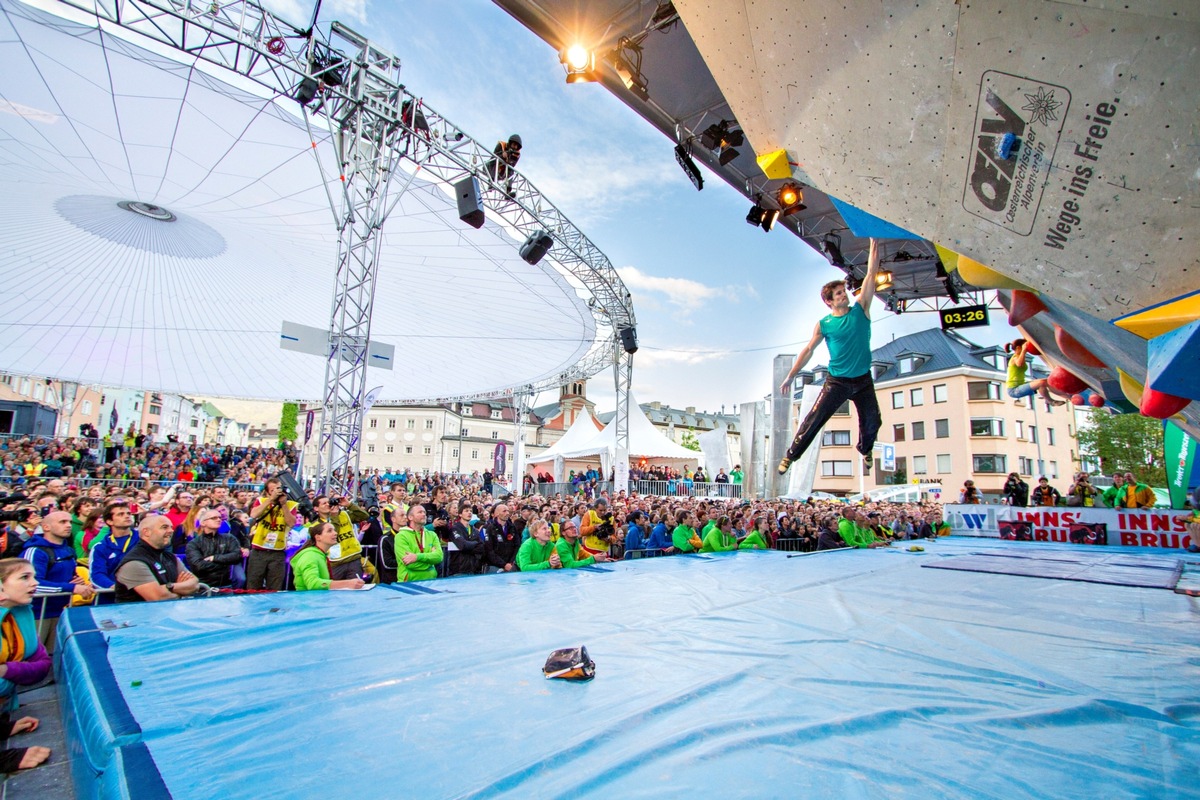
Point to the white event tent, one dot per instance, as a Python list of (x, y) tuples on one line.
[(582, 431), (164, 217), (645, 441)]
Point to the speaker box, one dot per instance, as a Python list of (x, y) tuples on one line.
[(536, 246), (470, 203), (629, 340)]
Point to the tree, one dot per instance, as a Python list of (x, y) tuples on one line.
[(287, 423), (1125, 443), (688, 440)]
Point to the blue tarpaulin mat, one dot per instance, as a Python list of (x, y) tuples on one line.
[(1119, 570), (850, 674)]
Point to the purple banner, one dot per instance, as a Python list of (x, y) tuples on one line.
[(308, 423), (500, 460)]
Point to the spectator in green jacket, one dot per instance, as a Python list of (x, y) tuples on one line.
[(536, 552), (756, 539), (418, 551), (684, 537), (568, 548), (310, 565), (720, 538)]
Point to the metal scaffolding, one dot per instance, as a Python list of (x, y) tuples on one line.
[(351, 88)]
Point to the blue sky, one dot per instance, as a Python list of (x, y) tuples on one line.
[(716, 299)]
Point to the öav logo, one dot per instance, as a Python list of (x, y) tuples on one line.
[(974, 521), (1005, 183)]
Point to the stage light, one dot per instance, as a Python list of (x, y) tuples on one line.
[(883, 281), (770, 215), (306, 91), (580, 64), (791, 199), (627, 61), (722, 141), (684, 156), (755, 217), (832, 245), (853, 283)]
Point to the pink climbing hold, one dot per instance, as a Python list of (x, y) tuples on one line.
[(1161, 405), (1096, 400), (1076, 399), (1025, 305), (1065, 382), (1073, 350)]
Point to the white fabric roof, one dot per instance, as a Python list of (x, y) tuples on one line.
[(582, 431), (645, 440), (99, 294)]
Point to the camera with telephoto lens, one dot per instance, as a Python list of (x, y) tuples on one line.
[(296, 493), (605, 529)]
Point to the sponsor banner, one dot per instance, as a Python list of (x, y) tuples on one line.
[(500, 460), (1095, 526), (1179, 450)]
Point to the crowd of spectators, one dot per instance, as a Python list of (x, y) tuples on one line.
[(132, 456)]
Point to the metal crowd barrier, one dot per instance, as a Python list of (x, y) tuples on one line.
[(103, 597), (790, 545), (685, 488), (632, 554), (138, 483)]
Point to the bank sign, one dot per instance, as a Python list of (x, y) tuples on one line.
[(1094, 526)]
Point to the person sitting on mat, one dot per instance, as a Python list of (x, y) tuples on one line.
[(310, 565), (23, 659)]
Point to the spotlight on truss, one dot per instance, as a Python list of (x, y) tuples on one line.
[(580, 64), (832, 246), (627, 61), (721, 140), (791, 199)]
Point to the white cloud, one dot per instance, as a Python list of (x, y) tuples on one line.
[(657, 358), (299, 13)]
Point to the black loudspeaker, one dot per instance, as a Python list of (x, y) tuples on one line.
[(470, 203), (536, 245), (629, 340)]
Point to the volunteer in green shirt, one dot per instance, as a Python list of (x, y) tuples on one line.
[(310, 565), (418, 551), (720, 538), (569, 549), (756, 539), (847, 331), (537, 553)]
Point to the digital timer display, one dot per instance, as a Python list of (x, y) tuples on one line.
[(964, 316)]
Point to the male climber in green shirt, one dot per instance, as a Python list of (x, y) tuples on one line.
[(848, 331)]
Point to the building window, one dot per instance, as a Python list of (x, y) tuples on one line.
[(466, 411), (426, 450), (983, 390), (495, 434), (1053, 469), (907, 365), (428, 424), (898, 433), (474, 454), (835, 438), (391, 423), (408, 449), (39, 391), (1020, 430), (373, 423), (1033, 434), (1025, 465), (941, 428), (987, 426), (940, 394), (992, 463), (409, 424), (916, 396), (454, 453), (1050, 438), (464, 432), (918, 431), (843, 410), (897, 399), (25, 387), (510, 456), (495, 414), (943, 464), (87, 406), (195, 423), (155, 410), (370, 448), (391, 448), (920, 465), (837, 469)]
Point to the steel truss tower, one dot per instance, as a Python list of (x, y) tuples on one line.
[(351, 88)]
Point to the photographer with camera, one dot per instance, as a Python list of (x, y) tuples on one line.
[(597, 529), (345, 556), (19, 521), (271, 516)]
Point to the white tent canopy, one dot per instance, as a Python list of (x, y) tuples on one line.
[(582, 431), (191, 300), (645, 441)]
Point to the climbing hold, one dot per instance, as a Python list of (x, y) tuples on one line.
[(1161, 405), (1025, 306), (1075, 351), (1065, 382)]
